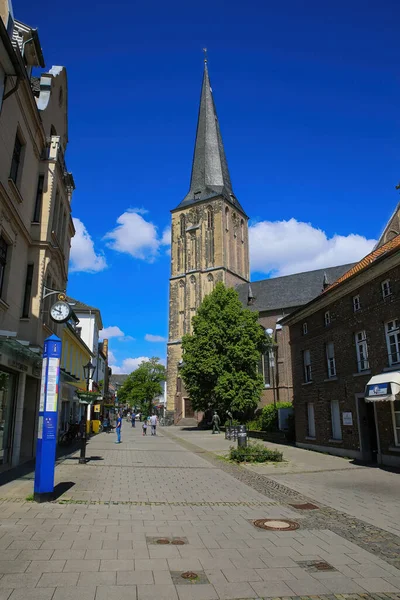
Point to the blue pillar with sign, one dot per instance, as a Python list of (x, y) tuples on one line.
[(47, 428)]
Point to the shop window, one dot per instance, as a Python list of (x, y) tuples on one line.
[(392, 331), (362, 351), (396, 421), (335, 415), (307, 366), (330, 359), (310, 420)]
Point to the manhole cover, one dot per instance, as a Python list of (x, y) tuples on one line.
[(163, 541), (275, 525), (189, 575), (306, 506), (178, 542), (323, 566)]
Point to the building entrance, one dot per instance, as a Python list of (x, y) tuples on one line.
[(8, 388), (368, 435)]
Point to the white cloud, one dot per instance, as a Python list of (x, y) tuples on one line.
[(131, 364), (111, 332), (128, 365), (285, 247), (154, 338), (83, 255), (111, 357), (115, 332), (135, 236)]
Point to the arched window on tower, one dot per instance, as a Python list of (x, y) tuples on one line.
[(181, 308), (182, 225), (227, 219), (242, 230), (192, 300), (210, 218)]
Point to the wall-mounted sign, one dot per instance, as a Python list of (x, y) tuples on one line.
[(347, 418), (379, 389), (96, 408)]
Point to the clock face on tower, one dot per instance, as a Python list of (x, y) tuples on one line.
[(60, 312)]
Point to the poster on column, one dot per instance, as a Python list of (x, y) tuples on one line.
[(52, 384), (43, 385)]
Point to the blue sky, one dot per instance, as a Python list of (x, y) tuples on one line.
[(307, 95)]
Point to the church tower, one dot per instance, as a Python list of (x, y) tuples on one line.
[(209, 242)]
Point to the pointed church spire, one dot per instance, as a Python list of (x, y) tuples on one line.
[(210, 174)]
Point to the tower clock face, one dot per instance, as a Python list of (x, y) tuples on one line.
[(60, 312)]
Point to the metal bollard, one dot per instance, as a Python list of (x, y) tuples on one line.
[(242, 437)]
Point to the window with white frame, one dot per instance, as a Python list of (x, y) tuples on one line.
[(327, 318), (392, 331), (386, 291), (356, 303), (305, 329), (307, 366), (336, 425), (310, 420), (330, 359), (396, 421), (362, 351)]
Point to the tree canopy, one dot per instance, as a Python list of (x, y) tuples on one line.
[(221, 357), (143, 385)]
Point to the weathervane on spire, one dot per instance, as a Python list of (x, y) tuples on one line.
[(205, 55)]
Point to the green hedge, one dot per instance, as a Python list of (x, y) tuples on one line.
[(269, 415), (255, 453)]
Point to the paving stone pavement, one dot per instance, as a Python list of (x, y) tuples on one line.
[(99, 539)]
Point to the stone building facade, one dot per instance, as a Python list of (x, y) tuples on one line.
[(345, 351), (209, 240), (35, 224)]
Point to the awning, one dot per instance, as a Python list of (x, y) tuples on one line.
[(383, 387)]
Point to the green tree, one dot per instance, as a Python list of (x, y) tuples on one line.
[(143, 385), (221, 357)]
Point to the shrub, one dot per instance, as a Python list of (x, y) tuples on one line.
[(254, 425), (255, 453), (235, 423), (269, 415)]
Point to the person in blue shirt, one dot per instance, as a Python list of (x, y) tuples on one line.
[(133, 417), (118, 428)]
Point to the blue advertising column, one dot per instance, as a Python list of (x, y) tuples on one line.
[(47, 428)]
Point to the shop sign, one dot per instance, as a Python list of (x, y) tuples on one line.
[(378, 389), (96, 408), (17, 365), (347, 418)]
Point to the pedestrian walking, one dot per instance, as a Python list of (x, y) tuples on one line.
[(153, 423), (133, 419), (118, 428), (144, 427), (215, 423)]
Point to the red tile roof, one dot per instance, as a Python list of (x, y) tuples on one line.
[(367, 260)]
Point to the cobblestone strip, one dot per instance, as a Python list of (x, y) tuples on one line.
[(383, 544)]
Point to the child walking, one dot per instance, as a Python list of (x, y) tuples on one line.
[(144, 427)]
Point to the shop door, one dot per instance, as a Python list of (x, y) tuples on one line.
[(189, 412), (7, 408), (368, 437)]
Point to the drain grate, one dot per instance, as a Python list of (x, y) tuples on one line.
[(306, 506), (313, 566), (276, 525), (189, 575)]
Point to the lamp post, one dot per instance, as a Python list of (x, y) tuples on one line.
[(88, 371)]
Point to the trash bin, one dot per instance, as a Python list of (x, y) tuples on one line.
[(242, 436), (96, 425)]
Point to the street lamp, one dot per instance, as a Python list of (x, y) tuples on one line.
[(88, 371)]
